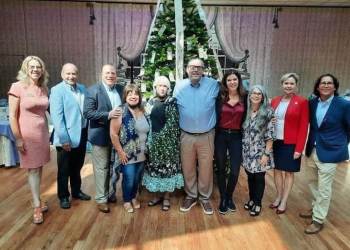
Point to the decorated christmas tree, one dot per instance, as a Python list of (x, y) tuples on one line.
[(160, 56)]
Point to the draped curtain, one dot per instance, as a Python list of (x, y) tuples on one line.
[(241, 28), (309, 41), (120, 25), (211, 12)]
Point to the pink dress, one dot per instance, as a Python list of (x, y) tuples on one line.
[(33, 102)]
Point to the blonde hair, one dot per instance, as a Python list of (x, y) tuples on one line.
[(23, 72), (290, 75), (161, 80)]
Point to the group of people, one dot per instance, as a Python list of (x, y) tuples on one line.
[(170, 141)]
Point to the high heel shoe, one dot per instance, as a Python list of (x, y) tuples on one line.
[(44, 206), (278, 211), (255, 211), (249, 205), (128, 207), (135, 203), (38, 217), (273, 206), (281, 211)]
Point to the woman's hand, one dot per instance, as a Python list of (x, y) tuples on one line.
[(20, 145), (66, 147), (296, 155), (264, 159), (123, 157)]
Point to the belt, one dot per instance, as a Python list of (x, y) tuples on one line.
[(230, 131), (196, 134)]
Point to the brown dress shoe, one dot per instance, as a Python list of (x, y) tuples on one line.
[(306, 214), (103, 207), (314, 228)]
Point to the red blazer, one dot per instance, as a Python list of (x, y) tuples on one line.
[(296, 121)]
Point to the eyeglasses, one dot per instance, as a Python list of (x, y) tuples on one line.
[(194, 67), (326, 83)]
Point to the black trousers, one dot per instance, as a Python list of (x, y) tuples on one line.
[(256, 184), (231, 142), (69, 165)]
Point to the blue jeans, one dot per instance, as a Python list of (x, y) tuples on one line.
[(132, 174)]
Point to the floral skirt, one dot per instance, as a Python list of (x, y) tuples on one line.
[(163, 178)]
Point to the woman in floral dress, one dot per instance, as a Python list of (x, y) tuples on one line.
[(163, 172), (258, 135)]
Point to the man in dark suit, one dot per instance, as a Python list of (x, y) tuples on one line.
[(100, 107), (327, 145), (70, 136)]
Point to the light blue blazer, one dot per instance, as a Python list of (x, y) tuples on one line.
[(66, 115)]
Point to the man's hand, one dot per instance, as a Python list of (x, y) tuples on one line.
[(115, 113)]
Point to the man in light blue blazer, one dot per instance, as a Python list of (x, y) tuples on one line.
[(327, 145), (70, 133)]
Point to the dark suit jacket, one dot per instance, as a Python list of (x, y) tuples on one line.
[(333, 135), (96, 109)]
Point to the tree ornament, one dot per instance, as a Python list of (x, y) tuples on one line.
[(171, 76), (153, 57), (161, 30), (169, 54)]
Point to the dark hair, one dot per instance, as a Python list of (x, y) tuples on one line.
[(318, 81), (131, 87), (224, 90)]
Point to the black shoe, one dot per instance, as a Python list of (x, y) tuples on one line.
[(230, 205), (255, 211), (65, 203), (112, 199), (82, 196), (249, 205), (222, 207)]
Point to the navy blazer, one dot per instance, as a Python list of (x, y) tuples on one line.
[(96, 109), (332, 136)]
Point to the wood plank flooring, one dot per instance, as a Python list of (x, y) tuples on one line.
[(84, 227)]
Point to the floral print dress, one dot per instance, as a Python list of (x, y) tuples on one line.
[(163, 170), (255, 136)]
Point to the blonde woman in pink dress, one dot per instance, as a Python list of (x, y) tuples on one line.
[(28, 101)]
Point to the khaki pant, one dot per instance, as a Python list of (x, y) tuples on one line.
[(198, 148), (101, 157), (321, 186)]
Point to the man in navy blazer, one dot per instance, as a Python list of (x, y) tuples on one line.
[(327, 145), (100, 107), (70, 135)]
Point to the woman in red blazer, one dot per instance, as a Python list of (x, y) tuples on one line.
[(292, 119)]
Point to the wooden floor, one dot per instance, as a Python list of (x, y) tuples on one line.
[(83, 227)]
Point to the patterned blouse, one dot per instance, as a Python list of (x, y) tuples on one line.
[(255, 137), (128, 136)]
